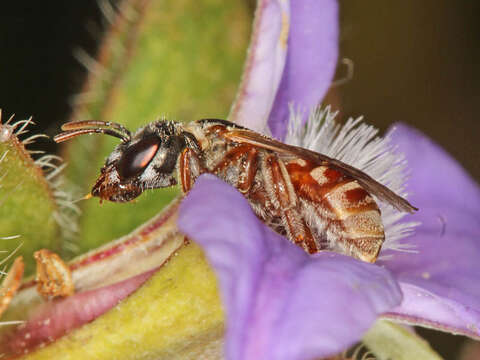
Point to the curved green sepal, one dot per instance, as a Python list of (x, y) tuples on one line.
[(179, 59), (388, 340), (27, 205)]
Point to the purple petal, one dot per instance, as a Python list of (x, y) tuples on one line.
[(437, 179), (281, 303), (423, 308), (441, 281), (264, 65), (311, 60)]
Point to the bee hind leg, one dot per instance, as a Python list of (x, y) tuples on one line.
[(283, 197), (298, 231)]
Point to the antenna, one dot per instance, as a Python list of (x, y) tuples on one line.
[(76, 128)]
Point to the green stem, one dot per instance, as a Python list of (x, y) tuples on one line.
[(390, 341)]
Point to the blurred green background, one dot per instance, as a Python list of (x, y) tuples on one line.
[(416, 62)]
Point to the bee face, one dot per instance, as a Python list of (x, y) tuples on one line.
[(147, 161)]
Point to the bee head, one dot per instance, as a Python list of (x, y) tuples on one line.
[(144, 160)]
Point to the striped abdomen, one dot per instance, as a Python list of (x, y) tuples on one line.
[(342, 216)]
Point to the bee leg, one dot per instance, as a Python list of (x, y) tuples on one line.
[(283, 197), (189, 169), (306, 240), (298, 231), (231, 156), (250, 167)]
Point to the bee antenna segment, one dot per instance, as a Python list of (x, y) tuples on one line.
[(96, 124), (67, 135)]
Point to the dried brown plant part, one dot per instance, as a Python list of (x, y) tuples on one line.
[(11, 283), (54, 278)]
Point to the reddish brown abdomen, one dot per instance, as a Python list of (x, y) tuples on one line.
[(342, 215)]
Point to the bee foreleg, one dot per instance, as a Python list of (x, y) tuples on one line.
[(189, 169), (250, 169)]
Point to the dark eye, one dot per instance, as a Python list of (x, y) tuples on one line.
[(137, 157)]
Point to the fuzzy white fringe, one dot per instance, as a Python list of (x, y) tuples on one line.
[(357, 144)]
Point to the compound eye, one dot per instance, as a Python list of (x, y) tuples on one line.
[(137, 157)]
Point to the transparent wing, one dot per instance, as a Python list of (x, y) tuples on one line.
[(368, 183)]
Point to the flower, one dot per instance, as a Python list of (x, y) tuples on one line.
[(289, 40), (440, 280), (280, 302), (283, 304)]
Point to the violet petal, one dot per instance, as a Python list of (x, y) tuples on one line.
[(436, 178), (441, 281), (264, 65), (311, 60), (281, 303)]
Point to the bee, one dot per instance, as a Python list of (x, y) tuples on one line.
[(317, 202)]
